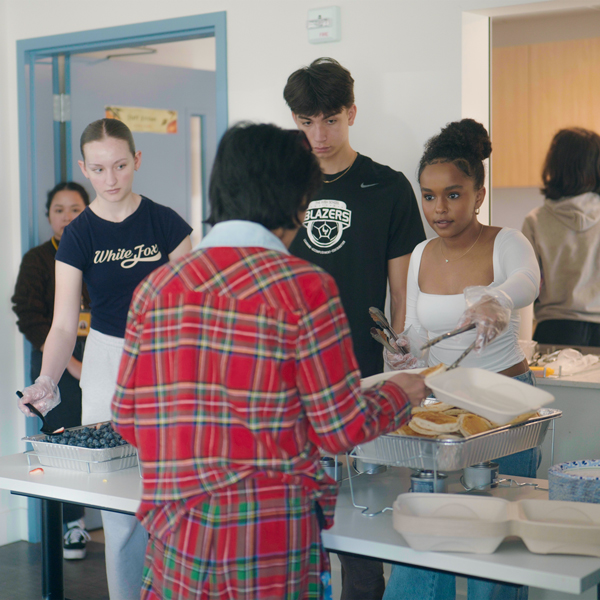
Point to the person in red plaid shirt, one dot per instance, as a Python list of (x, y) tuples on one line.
[(237, 367)]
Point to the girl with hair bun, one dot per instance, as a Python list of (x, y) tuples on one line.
[(469, 273)]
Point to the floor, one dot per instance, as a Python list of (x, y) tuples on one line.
[(20, 575), (461, 587), (21, 568)]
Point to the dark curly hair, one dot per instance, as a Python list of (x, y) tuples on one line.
[(465, 143), (572, 165)]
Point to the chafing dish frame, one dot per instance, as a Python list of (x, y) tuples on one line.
[(453, 455)]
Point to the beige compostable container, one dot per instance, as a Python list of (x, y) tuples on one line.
[(476, 524)]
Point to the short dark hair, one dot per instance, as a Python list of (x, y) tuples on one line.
[(465, 143), (102, 128), (72, 186), (263, 174), (572, 165), (323, 88)]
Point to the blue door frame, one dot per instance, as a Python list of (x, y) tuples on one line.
[(57, 149), (31, 50)]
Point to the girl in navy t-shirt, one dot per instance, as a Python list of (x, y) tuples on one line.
[(112, 245)]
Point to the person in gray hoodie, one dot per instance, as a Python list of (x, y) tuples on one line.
[(565, 234)]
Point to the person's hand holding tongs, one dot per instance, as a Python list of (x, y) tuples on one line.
[(489, 309), (488, 312), (397, 346)]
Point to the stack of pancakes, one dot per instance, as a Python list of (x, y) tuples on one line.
[(439, 420)]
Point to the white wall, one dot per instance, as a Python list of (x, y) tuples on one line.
[(12, 428), (475, 91), (404, 54), (512, 205)]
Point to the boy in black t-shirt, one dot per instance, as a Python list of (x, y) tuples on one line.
[(365, 222), (361, 228)]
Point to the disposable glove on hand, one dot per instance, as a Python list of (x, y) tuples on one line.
[(43, 394), (400, 362), (410, 360), (490, 310)]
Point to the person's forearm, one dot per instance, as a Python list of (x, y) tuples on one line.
[(398, 281), (74, 368), (521, 288), (398, 314), (58, 350)]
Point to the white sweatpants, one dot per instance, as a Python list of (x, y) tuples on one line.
[(125, 551), (125, 538), (99, 371)]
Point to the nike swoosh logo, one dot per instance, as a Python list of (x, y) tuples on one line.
[(366, 185)]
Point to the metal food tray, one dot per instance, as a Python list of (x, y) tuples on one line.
[(76, 453), (454, 455), (87, 466)]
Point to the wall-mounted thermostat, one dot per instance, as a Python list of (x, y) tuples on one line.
[(324, 25)]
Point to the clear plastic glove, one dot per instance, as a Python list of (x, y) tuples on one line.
[(400, 362), (490, 310), (414, 357), (43, 394)]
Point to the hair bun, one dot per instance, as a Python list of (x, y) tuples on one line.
[(469, 138), (466, 142)]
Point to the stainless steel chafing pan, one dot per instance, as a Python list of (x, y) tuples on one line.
[(454, 455)]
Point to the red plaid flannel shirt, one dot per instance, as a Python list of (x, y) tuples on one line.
[(238, 362)]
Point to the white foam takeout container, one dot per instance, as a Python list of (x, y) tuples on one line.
[(496, 397), (368, 382), (479, 524), (451, 522)]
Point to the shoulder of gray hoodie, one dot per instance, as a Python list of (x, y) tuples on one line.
[(578, 213)]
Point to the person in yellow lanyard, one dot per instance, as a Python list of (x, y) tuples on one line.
[(33, 302)]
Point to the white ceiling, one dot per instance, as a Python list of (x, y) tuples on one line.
[(191, 54), (539, 28)]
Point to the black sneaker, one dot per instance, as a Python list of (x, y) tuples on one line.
[(75, 540)]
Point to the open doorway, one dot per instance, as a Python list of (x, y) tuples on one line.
[(67, 81), (145, 86), (149, 45), (544, 77)]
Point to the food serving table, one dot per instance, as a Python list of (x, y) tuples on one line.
[(375, 537), (352, 532), (119, 491)]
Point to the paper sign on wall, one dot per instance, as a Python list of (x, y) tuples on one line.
[(146, 120)]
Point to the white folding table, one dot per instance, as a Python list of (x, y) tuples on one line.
[(352, 532)]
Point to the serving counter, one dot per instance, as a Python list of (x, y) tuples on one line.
[(375, 536), (576, 434), (119, 491), (353, 532)]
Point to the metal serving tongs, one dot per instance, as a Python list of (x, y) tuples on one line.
[(544, 358), (451, 334), (445, 336), (384, 324), (380, 336), (459, 359)]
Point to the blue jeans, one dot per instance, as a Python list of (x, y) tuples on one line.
[(414, 583)]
